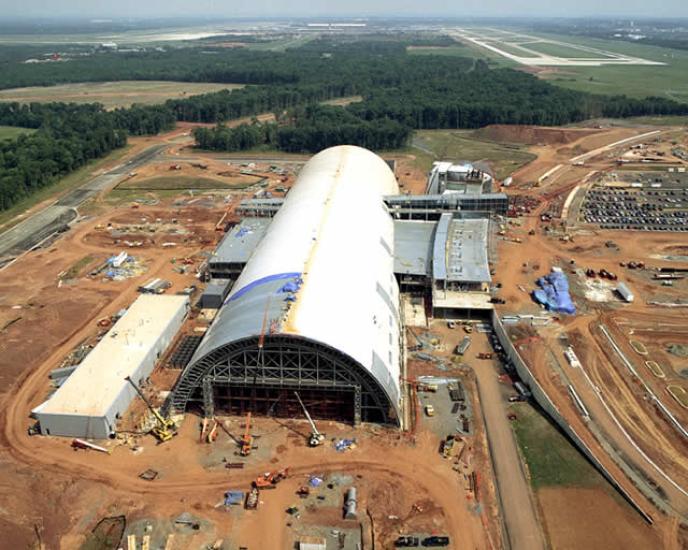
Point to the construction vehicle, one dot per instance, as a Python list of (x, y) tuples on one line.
[(212, 434), (269, 480), (166, 429), (448, 446), (247, 438), (316, 438), (252, 499)]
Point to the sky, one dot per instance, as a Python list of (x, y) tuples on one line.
[(270, 8)]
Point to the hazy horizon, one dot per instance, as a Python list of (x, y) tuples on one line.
[(206, 9)]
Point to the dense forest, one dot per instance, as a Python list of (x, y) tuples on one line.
[(400, 92), (311, 129), (68, 137)]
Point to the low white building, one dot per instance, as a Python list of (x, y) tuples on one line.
[(464, 178), (96, 394)]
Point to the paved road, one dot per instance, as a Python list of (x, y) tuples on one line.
[(522, 526), (57, 216)]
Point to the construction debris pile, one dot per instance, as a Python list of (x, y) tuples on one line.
[(120, 267)]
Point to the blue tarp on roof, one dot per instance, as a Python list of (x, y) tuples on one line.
[(554, 293), (262, 281)]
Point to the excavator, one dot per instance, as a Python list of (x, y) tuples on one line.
[(247, 439), (316, 438), (166, 429)]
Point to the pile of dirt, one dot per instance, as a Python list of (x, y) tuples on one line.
[(531, 135)]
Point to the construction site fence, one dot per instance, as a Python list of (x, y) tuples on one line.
[(543, 400)]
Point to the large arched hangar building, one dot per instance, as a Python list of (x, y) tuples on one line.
[(316, 308)]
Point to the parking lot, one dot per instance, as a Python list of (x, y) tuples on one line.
[(643, 209)]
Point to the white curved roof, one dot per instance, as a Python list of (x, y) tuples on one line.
[(334, 239)]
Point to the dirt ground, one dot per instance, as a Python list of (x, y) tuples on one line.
[(596, 521), (623, 416), (53, 496), (45, 316)]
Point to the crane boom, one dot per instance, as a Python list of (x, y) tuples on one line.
[(308, 416), (316, 437), (166, 428), (157, 415)]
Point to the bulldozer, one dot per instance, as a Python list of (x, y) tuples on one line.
[(165, 429), (270, 479)]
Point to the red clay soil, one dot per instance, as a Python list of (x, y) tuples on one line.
[(592, 519), (533, 135)]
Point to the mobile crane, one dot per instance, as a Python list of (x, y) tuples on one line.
[(316, 438), (166, 429)]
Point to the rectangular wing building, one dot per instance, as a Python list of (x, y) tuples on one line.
[(92, 399)]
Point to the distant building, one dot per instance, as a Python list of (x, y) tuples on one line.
[(466, 178), (110, 46)]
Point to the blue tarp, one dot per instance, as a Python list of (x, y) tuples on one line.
[(243, 231), (263, 280), (291, 286), (234, 497), (344, 444), (315, 481), (554, 293)]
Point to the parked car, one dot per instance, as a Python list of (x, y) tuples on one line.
[(429, 410), (436, 541), (406, 541)]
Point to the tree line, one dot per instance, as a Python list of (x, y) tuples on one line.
[(67, 137), (400, 92), (310, 130)]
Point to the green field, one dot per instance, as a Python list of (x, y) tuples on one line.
[(512, 49), (670, 80), (113, 94), (551, 458), (11, 132), (431, 145), (281, 44), (179, 183), (559, 50), (456, 50)]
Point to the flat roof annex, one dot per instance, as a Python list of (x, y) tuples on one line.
[(98, 380)]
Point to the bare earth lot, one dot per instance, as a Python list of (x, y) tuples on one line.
[(113, 94)]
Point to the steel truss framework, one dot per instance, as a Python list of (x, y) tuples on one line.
[(284, 362)]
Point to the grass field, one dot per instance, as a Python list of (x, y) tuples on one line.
[(670, 80), (179, 183), (455, 50), (11, 132), (8, 218), (431, 145), (559, 50), (281, 44), (113, 94), (551, 458)]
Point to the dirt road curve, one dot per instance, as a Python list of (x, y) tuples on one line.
[(523, 528)]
